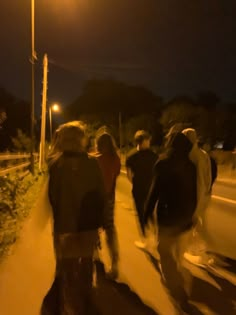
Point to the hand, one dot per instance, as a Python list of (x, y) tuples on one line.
[(195, 220)]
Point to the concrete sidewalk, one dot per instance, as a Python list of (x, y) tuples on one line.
[(27, 274)]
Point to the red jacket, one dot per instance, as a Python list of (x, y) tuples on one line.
[(110, 167)]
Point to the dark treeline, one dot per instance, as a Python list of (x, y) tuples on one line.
[(14, 114), (109, 102), (102, 101)]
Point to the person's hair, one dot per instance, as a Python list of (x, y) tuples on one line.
[(140, 136), (106, 144), (180, 145), (68, 138)]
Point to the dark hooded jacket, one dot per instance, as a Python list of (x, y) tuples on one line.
[(174, 187)]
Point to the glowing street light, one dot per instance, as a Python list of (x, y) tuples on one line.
[(56, 109)]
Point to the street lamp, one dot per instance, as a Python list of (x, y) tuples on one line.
[(56, 109)]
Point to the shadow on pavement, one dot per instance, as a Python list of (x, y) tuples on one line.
[(219, 301), (121, 299), (108, 298)]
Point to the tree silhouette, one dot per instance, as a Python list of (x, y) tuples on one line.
[(15, 114), (106, 98)]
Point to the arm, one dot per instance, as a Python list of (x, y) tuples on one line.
[(118, 166), (51, 186), (214, 171), (153, 196), (129, 166), (129, 174), (100, 188)]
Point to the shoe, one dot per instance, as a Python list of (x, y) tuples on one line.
[(112, 274), (199, 261), (140, 244)]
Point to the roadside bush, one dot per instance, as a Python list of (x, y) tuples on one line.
[(17, 194)]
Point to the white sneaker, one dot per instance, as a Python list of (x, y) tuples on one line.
[(195, 260), (112, 274), (140, 244)]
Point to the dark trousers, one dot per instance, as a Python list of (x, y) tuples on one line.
[(139, 205)]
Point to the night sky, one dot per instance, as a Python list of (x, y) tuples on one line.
[(171, 46)]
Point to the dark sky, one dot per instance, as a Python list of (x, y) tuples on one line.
[(172, 46)]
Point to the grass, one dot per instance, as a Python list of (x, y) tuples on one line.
[(17, 196)]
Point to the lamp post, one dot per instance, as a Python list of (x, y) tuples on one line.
[(33, 58), (52, 108)]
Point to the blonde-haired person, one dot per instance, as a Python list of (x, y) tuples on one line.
[(110, 165), (77, 195)]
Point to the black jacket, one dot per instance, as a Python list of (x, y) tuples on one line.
[(174, 187), (76, 193)]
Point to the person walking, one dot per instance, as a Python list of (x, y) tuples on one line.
[(77, 195), (202, 161), (205, 175), (139, 167), (110, 165), (174, 191)]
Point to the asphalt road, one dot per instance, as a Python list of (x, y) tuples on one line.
[(225, 190), (220, 219), (145, 281)]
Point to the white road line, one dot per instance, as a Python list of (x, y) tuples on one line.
[(231, 201)]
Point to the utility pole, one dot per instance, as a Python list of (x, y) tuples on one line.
[(43, 115), (33, 58)]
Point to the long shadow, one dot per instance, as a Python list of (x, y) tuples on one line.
[(219, 301), (121, 299), (108, 298)]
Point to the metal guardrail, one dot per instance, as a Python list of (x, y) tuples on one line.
[(14, 168), (6, 157), (18, 166)]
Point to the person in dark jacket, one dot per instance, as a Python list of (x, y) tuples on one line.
[(139, 166), (110, 165), (77, 195), (174, 190)]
